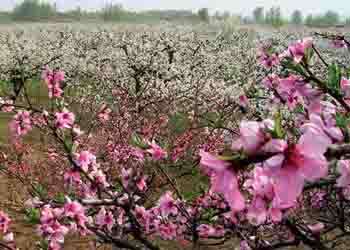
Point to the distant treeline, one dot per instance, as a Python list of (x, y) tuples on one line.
[(273, 16), (38, 11)]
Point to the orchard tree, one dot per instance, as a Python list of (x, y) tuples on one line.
[(331, 18), (282, 179), (297, 17), (203, 14), (309, 20), (33, 10), (258, 15), (274, 17)]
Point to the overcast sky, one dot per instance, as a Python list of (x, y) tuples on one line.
[(235, 6)]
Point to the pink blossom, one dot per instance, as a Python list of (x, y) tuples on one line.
[(53, 79), (50, 227), (339, 43), (53, 245), (302, 162), (257, 212), (243, 101), (244, 245), (167, 204), (261, 183), (4, 222), (167, 231), (262, 188), (252, 137), (297, 51), (138, 154), (126, 176), (275, 214), (72, 176), (316, 228), (54, 231), (290, 89), (317, 199), (105, 219), (9, 238), (141, 184), (266, 58), (33, 203), (84, 159), (100, 178), (344, 170), (207, 231), (64, 119), (345, 87), (271, 81), (21, 123), (223, 180), (73, 209), (143, 216), (48, 214), (327, 125), (157, 152)]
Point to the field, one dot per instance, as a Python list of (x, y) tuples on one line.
[(177, 85)]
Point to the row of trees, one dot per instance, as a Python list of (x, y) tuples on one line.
[(33, 10), (37, 10), (274, 16)]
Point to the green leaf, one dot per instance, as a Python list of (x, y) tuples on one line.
[(278, 130), (44, 245), (190, 195), (179, 123), (299, 109), (342, 121), (236, 156), (289, 64), (40, 190), (138, 142), (309, 53), (211, 119), (32, 216), (60, 198), (334, 77), (227, 157)]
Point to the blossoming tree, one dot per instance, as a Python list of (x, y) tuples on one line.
[(282, 181)]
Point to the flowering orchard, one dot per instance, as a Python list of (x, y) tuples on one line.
[(268, 167)]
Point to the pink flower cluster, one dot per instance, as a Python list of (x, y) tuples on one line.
[(21, 123), (64, 119), (223, 180), (105, 219), (278, 181), (54, 80), (344, 178), (4, 222), (56, 223), (298, 50), (339, 43), (293, 90), (267, 58), (156, 152)]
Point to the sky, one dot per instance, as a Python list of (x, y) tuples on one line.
[(244, 7)]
